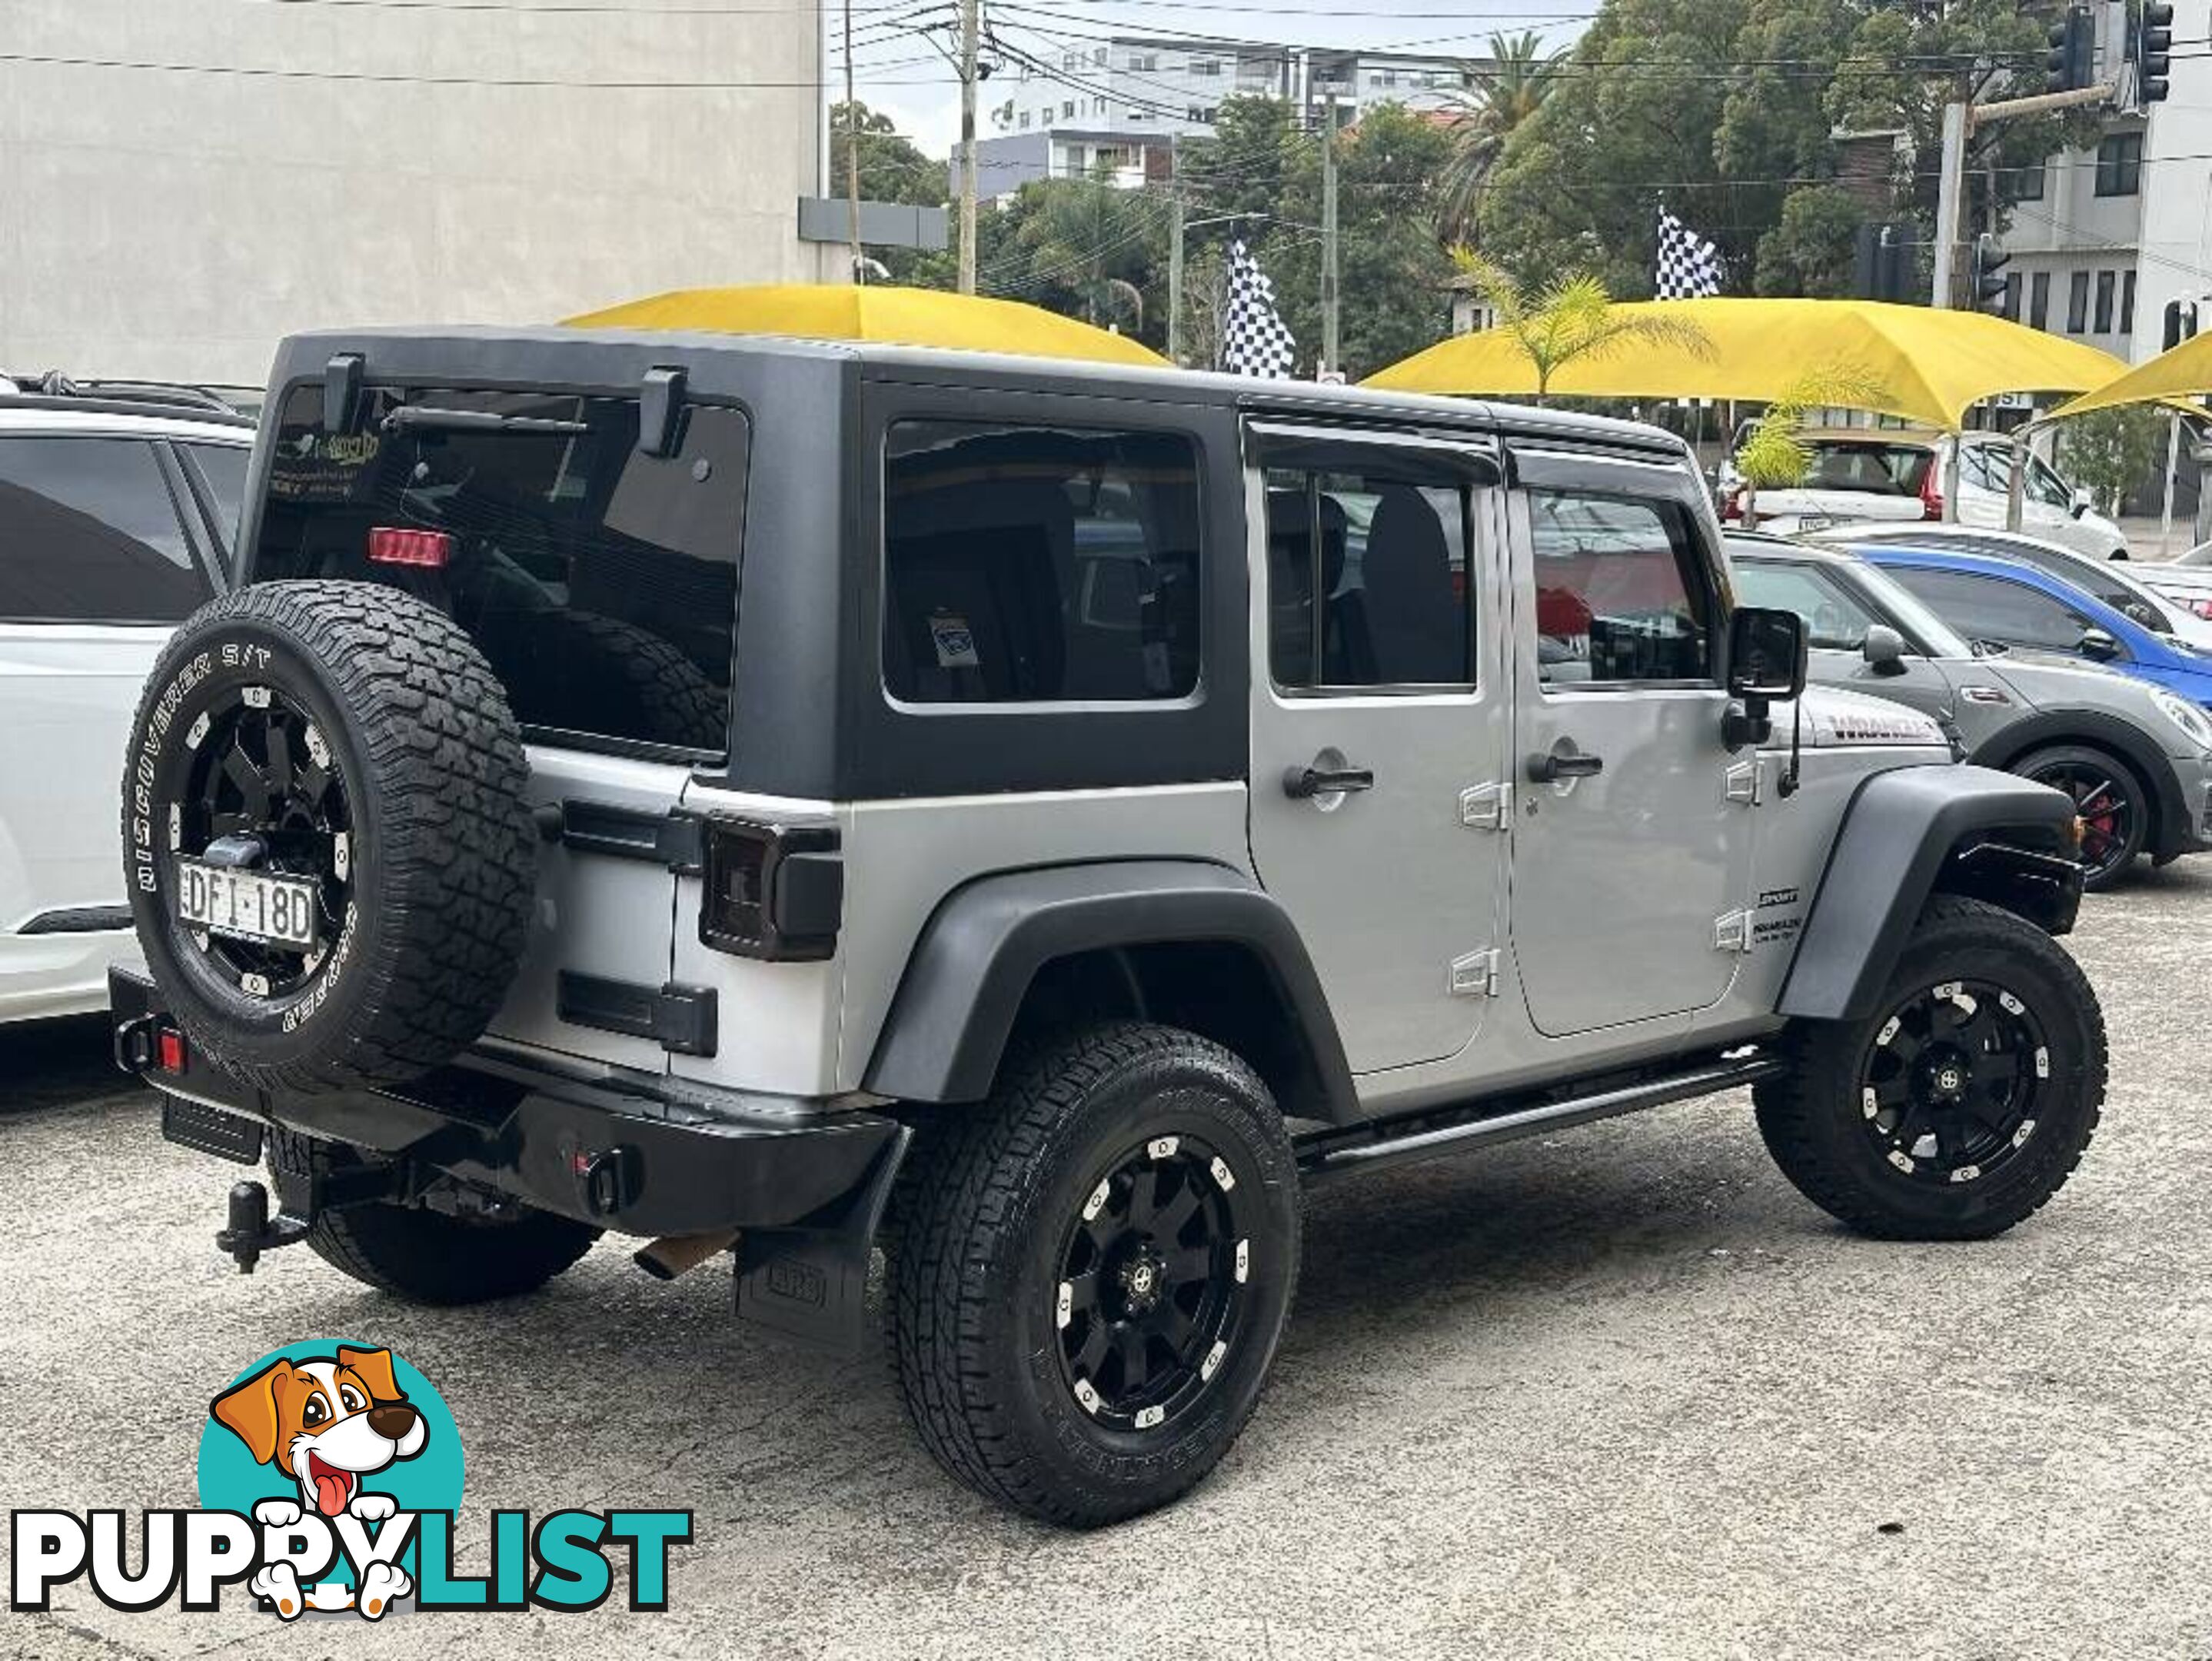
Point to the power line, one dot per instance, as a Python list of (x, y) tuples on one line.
[(268, 72)]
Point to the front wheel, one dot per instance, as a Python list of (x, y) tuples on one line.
[(1091, 1273), (1964, 1102), (2115, 809)]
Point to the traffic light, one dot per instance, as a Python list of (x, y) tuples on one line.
[(1884, 268), (2073, 60), (1986, 284), (2153, 48)]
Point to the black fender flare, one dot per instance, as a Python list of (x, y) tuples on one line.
[(1904, 833), (965, 980), (2170, 827)]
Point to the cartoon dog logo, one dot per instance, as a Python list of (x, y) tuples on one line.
[(326, 1424)]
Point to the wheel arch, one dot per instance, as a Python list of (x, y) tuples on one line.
[(1911, 833), (1185, 942), (2094, 729)]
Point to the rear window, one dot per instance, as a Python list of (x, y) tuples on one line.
[(600, 582), (1031, 564), (1892, 470)]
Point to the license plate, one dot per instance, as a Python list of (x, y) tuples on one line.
[(1815, 521), (247, 905)]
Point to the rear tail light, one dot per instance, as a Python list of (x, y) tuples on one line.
[(169, 1051), (1931, 494), (773, 891), (1732, 508), (2202, 608), (395, 544)]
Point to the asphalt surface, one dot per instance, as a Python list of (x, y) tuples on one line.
[(1618, 1393)]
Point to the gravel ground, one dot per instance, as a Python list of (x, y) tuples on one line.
[(1619, 1393)]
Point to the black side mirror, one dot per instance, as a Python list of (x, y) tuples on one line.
[(1883, 649), (1766, 653), (2100, 646)]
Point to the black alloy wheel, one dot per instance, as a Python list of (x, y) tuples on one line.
[(263, 793), (1150, 1297), (1948, 1089), (2111, 807)]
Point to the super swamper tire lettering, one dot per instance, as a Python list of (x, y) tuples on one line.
[(348, 742)]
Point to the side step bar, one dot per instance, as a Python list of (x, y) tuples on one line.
[(1435, 1132)]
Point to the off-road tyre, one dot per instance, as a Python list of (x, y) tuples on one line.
[(430, 1256), (988, 1200), (2128, 806), (1815, 1118), (396, 729), (585, 672)]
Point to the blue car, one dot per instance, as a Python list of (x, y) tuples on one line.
[(2015, 605)]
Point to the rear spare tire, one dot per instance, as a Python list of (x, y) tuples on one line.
[(330, 859)]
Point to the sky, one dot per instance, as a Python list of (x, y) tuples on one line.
[(900, 72)]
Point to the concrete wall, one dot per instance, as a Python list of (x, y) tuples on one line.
[(174, 223)]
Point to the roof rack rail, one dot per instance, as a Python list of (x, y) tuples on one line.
[(55, 390)]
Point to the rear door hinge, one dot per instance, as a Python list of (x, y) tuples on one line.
[(1732, 932), (1487, 806), (1475, 975), (1741, 783)]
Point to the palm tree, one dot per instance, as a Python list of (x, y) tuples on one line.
[(1774, 457), (1501, 97), (1573, 317)]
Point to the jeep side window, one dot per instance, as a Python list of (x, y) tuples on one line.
[(1039, 565), (1621, 590), (1368, 581), (89, 533)]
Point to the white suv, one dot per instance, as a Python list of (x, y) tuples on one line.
[(117, 510), (1871, 473)]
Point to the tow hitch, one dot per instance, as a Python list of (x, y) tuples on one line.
[(302, 1199)]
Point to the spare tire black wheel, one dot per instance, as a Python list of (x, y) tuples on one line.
[(330, 858)]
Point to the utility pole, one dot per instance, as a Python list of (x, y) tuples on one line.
[(970, 27), (1175, 253), (860, 273), (1950, 200), (1328, 239)]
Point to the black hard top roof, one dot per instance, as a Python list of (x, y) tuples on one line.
[(610, 357)]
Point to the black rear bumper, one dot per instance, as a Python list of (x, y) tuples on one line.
[(627, 1156)]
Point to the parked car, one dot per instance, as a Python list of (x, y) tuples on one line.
[(1064, 896), (2137, 759), (2185, 580), (2120, 584), (116, 515), (1880, 473)]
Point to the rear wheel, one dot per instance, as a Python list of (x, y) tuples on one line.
[(1090, 1275), (1964, 1102), (2114, 807), (431, 1256)]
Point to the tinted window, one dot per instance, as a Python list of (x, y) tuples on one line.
[(1368, 577), (1893, 469), (1989, 608), (1621, 590), (600, 582), (1837, 622), (221, 469), (89, 532), (1039, 565)]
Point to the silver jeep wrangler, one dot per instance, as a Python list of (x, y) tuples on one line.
[(1035, 818)]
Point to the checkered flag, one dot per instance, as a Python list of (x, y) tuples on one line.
[(1254, 340), (1688, 266)]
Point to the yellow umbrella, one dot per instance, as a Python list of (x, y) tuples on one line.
[(1927, 365), (2186, 370), (906, 316)]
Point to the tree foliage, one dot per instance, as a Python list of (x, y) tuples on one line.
[(2109, 451), (1570, 318), (1512, 87)]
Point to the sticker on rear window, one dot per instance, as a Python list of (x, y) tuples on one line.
[(955, 642)]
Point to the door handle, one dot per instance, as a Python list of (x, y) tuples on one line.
[(1548, 768), (1303, 783)]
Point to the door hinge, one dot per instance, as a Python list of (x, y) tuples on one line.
[(1475, 976), (1732, 932), (1741, 783), (1487, 806)]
